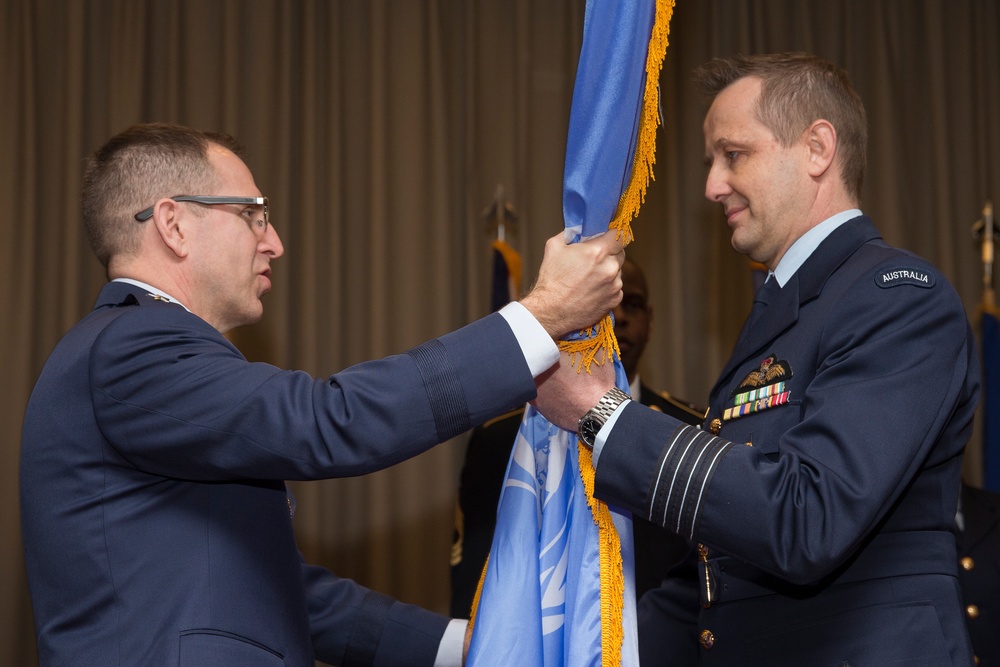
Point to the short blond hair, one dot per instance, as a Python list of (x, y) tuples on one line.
[(134, 169)]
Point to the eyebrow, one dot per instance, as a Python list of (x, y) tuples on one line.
[(721, 142)]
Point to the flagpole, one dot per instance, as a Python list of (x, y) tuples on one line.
[(988, 314), (499, 214), (984, 230), (989, 296)]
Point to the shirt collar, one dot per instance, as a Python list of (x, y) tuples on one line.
[(806, 244), (151, 290)]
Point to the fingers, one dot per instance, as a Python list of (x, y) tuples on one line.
[(612, 243), (577, 284)]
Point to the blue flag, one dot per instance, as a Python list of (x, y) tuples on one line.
[(558, 587), (991, 401), (506, 284)]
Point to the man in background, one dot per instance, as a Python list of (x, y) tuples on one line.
[(489, 448), (157, 528), (978, 522)]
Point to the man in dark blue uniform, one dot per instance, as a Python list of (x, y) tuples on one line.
[(979, 570), (656, 550), (157, 528), (823, 487)]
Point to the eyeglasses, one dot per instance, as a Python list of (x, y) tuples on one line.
[(259, 225)]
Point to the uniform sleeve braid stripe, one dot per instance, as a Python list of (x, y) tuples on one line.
[(688, 460)]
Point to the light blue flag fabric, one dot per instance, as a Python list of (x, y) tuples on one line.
[(540, 598)]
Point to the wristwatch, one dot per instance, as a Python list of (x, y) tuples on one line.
[(591, 423)]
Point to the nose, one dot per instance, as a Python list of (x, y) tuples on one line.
[(716, 186), (270, 244)]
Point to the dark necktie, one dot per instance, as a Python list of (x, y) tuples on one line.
[(764, 295)]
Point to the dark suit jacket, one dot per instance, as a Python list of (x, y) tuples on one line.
[(979, 571), (157, 530), (481, 481), (830, 539)]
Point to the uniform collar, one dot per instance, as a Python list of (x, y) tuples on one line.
[(152, 291), (806, 244)]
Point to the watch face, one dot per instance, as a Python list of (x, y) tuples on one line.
[(588, 430)]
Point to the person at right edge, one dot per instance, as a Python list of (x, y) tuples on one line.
[(823, 486)]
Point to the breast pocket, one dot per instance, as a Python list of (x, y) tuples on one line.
[(217, 648)]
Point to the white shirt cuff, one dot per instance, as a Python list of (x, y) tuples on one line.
[(452, 644), (605, 431), (537, 346)]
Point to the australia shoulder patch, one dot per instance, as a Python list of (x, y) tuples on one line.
[(904, 275)]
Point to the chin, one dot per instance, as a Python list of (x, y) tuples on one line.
[(253, 315)]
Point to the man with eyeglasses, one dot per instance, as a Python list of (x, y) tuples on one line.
[(157, 528)]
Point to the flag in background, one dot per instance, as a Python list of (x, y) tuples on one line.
[(506, 275), (557, 588), (758, 274), (991, 400)]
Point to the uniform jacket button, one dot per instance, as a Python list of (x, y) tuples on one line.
[(715, 426), (707, 639), (967, 563), (972, 611)]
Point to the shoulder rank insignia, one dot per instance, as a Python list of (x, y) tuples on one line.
[(762, 388)]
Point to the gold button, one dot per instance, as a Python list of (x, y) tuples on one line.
[(972, 611), (749, 444), (707, 639), (967, 563), (716, 426)]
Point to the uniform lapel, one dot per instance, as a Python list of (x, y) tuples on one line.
[(805, 285), (781, 313)]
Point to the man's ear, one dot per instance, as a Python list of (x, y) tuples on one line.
[(821, 140), (170, 222)]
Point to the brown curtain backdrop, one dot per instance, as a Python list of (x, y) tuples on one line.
[(380, 129)]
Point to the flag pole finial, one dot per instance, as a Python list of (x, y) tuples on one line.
[(499, 215)]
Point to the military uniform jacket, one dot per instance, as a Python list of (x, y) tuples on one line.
[(157, 529), (979, 571), (481, 481), (826, 498)]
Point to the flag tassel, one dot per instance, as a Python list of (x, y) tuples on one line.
[(587, 350)]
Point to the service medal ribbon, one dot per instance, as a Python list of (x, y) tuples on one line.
[(762, 388)]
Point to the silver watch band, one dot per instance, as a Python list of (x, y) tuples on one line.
[(597, 416)]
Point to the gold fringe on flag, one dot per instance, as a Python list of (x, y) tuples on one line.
[(588, 349)]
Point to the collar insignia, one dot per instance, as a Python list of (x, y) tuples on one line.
[(763, 388), (157, 297)]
